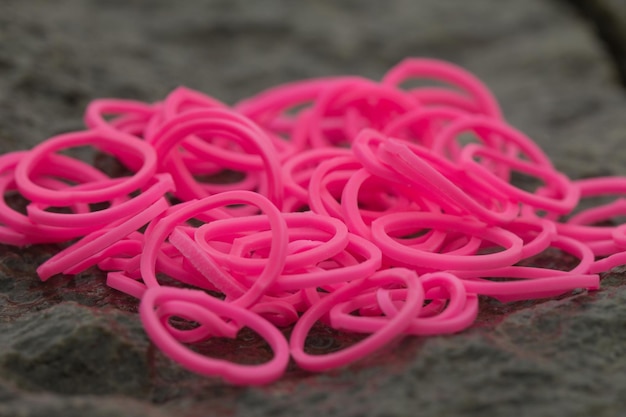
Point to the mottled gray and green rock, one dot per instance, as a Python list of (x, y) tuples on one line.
[(72, 347)]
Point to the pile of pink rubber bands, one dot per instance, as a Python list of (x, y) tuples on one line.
[(371, 207)]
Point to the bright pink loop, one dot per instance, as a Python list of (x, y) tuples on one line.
[(302, 269), (577, 248), (163, 184), (179, 268), (97, 109), (391, 328), (211, 325), (205, 265), (183, 99), (274, 101), (321, 200), (568, 194), (353, 215), (551, 285), (459, 313), (581, 225), (361, 103), (494, 134), (116, 143), (360, 258), (332, 232), (444, 71), (125, 284), (276, 259), (422, 125), (97, 241), (574, 247), (110, 258), (25, 230), (269, 110), (599, 214), (458, 196), (352, 200), (218, 122), (297, 170), (619, 236), (608, 263), (234, 373), (384, 225), (278, 312), (443, 98)]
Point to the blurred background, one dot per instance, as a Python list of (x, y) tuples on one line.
[(546, 63), (557, 69)]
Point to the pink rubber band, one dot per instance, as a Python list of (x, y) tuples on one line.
[(459, 313), (608, 263), (127, 248), (98, 241), (233, 373), (204, 264), (444, 98), (392, 328), (444, 71), (442, 190), (422, 125), (182, 99), (306, 161), (114, 142), (163, 184), (219, 121), (321, 201), (25, 231), (94, 115), (382, 226), (568, 193), (125, 284), (335, 231), (166, 225), (354, 216)]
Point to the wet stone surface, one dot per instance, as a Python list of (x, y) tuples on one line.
[(73, 347)]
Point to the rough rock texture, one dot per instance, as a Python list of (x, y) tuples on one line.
[(72, 347)]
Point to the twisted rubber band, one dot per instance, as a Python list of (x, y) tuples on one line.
[(233, 373)]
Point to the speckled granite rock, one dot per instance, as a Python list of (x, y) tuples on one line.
[(73, 347)]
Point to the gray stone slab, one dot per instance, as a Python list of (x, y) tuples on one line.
[(72, 347)]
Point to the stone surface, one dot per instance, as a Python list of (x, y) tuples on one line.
[(71, 346)]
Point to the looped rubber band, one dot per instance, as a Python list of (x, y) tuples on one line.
[(392, 328), (114, 142), (382, 226), (166, 225), (207, 305), (439, 70)]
